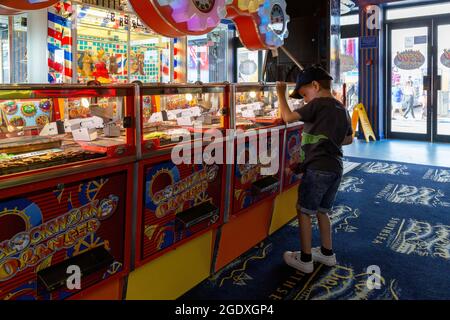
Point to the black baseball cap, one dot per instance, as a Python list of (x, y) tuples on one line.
[(308, 75)]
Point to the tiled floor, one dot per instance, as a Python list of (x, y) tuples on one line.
[(433, 154)]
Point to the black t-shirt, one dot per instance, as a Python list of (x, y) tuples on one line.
[(327, 123)]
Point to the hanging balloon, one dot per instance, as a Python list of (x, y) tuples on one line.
[(177, 18)]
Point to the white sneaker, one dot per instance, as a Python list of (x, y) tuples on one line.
[(318, 256), (293, 259)]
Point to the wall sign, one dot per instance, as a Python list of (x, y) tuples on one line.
[(445, 58), (409, 59), (370, 42)]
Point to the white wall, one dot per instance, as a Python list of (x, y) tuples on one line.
[(37, 46)]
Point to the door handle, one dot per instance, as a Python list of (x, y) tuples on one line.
[(438, 83), (427, 83)]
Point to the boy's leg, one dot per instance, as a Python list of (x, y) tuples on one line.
[(305, 229), (312, 189), (325, 230), (323, 216), (310, 194)]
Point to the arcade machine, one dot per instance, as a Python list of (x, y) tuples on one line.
[(284, 204), (179, 199), (292, 146), (256, 177), (66, 162)]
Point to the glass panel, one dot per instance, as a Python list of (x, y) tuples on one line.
[(207, 56), (149, 56), (102, 46), (44, 128), (19, 53), (256, 106), (348, 20), (443, 103), (350, 70), (418, 11), (4, 49), (409, 65), (248, 65), (170, 112)]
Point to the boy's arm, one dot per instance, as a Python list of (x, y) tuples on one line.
[(286, 114), (349, 137), (348, 140)]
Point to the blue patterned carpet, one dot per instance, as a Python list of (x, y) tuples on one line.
[(391, 226)]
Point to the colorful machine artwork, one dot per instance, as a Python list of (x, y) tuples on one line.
[(292, 157), (248, 176), (264, 21), (180, 200), (42, 229)]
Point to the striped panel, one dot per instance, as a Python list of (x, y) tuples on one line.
[(59, 38), (369, 75)]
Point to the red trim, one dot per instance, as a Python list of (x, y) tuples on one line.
[(149, 14), (8, 11), (26, 5), (249, 33), (56, 110)]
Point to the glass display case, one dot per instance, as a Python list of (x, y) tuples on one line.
[(256, 106), (170, 113), (47, 126)]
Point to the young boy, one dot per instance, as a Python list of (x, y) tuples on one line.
[(327, 128)]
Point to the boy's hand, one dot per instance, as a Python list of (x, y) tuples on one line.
[(281, 87)]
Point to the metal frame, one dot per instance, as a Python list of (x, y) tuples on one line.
[(436, 23), (432, 23), (389, 28)]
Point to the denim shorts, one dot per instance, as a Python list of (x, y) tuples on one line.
[(317, 191)]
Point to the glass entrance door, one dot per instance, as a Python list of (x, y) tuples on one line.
[(419, 82), (410, 67), (442, 82)]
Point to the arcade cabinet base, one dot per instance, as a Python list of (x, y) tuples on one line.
[(174, 273), (284, 209), (243, 232)]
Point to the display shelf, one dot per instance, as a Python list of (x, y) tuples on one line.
[(63, 124)]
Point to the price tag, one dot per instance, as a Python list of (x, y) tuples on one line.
[(156, 117), (196, 111), (248, 114), (184, 121)]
